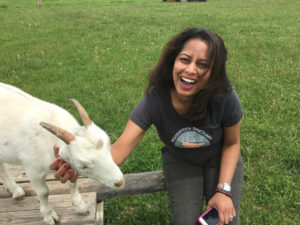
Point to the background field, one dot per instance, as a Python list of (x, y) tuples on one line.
[(100, 51)]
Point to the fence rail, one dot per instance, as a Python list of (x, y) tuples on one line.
[(136, 183)]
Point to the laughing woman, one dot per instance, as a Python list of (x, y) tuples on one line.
[(197, 114)]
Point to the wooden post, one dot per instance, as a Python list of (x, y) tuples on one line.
[(100, 213)]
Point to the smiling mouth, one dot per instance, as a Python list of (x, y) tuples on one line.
[(188, 81)]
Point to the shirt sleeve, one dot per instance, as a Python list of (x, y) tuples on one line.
[(232, 110), (141, 115)]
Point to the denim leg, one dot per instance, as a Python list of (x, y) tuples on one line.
[(237, 185), (184, 182), (185, 186)]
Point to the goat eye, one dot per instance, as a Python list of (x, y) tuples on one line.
[(83, 167)]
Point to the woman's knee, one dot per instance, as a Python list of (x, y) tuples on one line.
[(185, 214)]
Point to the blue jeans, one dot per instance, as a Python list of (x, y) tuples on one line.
[(188, 182)]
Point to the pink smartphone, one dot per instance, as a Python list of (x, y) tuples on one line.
[(209, 217)]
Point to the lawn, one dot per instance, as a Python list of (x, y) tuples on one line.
[(100, 52)]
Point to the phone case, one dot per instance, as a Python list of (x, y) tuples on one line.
[(203, 215)]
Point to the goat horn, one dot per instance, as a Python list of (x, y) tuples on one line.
[(83, 114), (64, 135)]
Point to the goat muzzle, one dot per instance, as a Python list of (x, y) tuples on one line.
[(120, 183)]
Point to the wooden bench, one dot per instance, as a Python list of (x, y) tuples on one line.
[(27, 211)]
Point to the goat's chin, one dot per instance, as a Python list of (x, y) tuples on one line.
[(118, 187), (114, 185)]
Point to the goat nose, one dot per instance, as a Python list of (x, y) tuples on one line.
[(120, 183)]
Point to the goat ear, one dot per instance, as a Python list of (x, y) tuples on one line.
[(83, 114), (100, 143), (64, 135)]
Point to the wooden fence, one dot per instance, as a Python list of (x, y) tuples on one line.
[(137, 183), (27, 211)]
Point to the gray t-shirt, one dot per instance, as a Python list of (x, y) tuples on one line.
[(182, 136)]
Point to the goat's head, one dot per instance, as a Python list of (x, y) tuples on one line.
[(88, 151)]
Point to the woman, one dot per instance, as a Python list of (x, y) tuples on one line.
[(197, 115)]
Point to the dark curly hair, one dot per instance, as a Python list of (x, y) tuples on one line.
[(218, 84)]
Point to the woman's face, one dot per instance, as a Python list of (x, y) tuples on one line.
[(191, 68)]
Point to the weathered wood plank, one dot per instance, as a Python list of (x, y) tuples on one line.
[(138, 183), (55, 187), (27, 212), (19, 175)]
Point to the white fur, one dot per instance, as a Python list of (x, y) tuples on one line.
[(24, 142)]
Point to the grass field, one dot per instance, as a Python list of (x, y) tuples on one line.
[(100, 51)]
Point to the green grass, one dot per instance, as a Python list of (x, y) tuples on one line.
[(100, 51)]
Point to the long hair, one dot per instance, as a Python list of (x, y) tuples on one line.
[(161, 77)]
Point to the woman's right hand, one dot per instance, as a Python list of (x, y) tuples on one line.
[(224, 205), (63, 171)]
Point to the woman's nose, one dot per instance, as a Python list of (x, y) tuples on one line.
[(191, 68)]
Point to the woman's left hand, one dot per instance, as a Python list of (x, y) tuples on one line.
[(63, 170), (223, 204)]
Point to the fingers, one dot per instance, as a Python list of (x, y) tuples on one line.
[(65, 173), (230, 218), (61, 171), (232, 215), (74, 177), (56, 150), (233, 212), (56, 164), (66, 176), (222, 218), (226, 217), (224, 206)]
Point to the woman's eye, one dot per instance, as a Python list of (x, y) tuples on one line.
[(184, 60), (202, 65)]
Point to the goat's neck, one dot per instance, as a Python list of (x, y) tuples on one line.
[(65, 154)]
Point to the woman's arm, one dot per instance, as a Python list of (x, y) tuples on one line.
[(131, 135), (229, 159), (230, 153)]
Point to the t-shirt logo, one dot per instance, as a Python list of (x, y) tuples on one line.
[(191, 137)]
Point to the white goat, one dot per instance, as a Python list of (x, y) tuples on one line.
[(24, 142)]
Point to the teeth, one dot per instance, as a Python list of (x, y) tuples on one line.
[(188, 80)]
